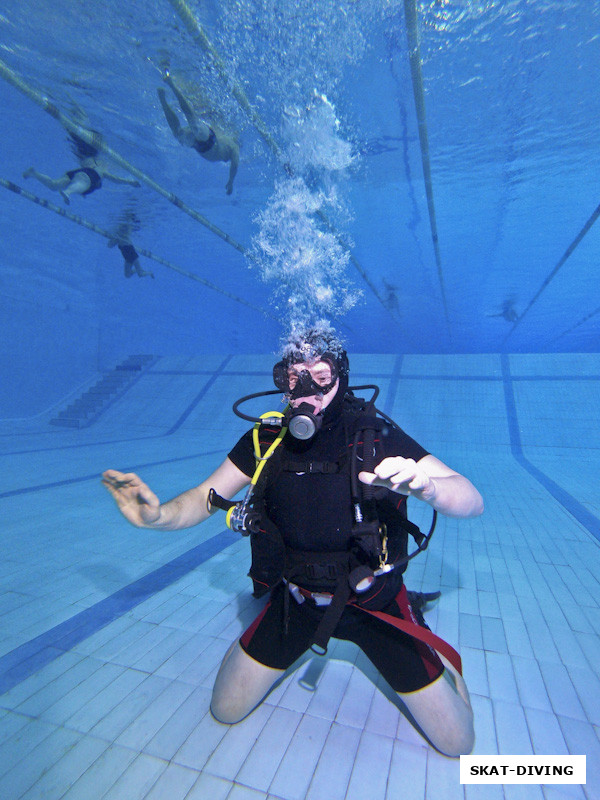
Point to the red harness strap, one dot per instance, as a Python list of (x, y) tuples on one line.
[(411, 628), (418, 632)]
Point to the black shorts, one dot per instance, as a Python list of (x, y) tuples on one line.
[(406, 663), (204, 146), (93, 176)]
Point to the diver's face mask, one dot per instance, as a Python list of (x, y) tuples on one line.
[(305, 381), (307, 378)]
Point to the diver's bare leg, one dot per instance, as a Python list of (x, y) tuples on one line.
[(443, 711), (240, 686)]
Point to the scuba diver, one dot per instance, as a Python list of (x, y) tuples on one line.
[(83, 180), (326, 488), (208, 141)]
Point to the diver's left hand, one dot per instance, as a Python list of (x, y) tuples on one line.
[(401, 475)]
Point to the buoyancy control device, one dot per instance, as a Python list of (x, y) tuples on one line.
[(354, 572), (369, 556)]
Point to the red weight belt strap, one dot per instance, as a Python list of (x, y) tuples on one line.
[(418, 632)]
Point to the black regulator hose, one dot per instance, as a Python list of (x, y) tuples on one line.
[(247, 397)]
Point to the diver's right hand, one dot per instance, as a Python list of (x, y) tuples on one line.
[(136, 501)]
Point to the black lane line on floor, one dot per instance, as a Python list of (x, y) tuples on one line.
[(96, 475), (567, 501), (28, 658)]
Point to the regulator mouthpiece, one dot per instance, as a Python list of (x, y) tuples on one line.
[(302, 423)]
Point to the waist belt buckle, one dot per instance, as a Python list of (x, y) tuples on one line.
[(321, 598), (296, 593)]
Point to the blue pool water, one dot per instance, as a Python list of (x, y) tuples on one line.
[(510, 113), (484, 342)]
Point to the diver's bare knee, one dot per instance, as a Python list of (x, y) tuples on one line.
[(228, 712), (455, 741), (224, 717)]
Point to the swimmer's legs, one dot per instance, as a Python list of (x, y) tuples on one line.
[(131, 267), (200, 130), (79, 184), (183, 103), (170, 115), (55, 184), (140, 271)]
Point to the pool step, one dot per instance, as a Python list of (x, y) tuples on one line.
[(95, 400)]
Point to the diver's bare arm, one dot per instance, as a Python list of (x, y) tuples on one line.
[(430, 480), (191, 507), (183, 511), (453, 496), (140, 506)]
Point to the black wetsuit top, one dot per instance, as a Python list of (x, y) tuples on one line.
[(313, 511)]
